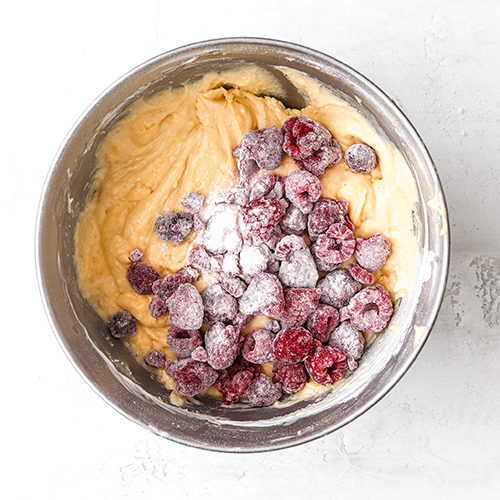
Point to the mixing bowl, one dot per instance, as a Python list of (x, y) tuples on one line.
[(108, 366)]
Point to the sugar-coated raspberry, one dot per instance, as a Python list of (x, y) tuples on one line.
[(260, 216), (122, 324), (262, 391), (273, 326), (360, 274), (291, 376), (186, 308), (310, 145), (361, 158), (219, 305), (222, 344), (322, 321), (273, 266), (370, 310), (183, 342), (199, 257), (288, 245), (275, 237), (303, 188), (190, 377), (190, 271), (325, 213), (326, 365), (174, 227), (337, 288), (234, 380), (299, 271), (294, 221), (264, 186), (299, 304), (155, 358), (348, 339), (216, 263), (336, 245), (222, 232), (167, 286), (158, 306), (278, 191), (200, 354), (264, 146), (136, 255), (232, 285), (198, 224), (258, 347), (321, 264), (348, 223), (292, 345), (263, 296), (231, 264), (254, 259), (371, 253), (193, 202), (241, 195), (241, 320), (141, 277)]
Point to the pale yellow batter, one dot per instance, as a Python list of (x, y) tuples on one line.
[(181, 140)]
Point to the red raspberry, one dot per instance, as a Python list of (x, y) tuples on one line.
[(232, 285), (294, 221), (370, 310), (190, 271), (288, 245), (234, 381), (360, 274), (186, 308), (200, 354), (258, 347), (263, 296), (163, 290), (292, 345), (218, 304), (325, 213), (241, 320), (199, 257), (303, 189), (222, 344), (338, 287), (321, 264), (155, 358), (326, 365), (265, 186), (136, 255), (190, 377), (348, 339), (299, 304), (122, 324), (141, 277), (158, 306), (361, 158), (183, 342), (291, 376), (299, 271), (336, 245), (372, 253), (193, 202), (322, 322), (260, 217), (262, 391), (273, 326), (174, 227)]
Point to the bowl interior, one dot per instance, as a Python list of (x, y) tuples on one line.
[(111, 370)]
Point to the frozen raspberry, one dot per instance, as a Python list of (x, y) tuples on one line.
[(219, 305), (324, 214), (336, 245), (222, 232), (190, 377), (167, 286), (200, 354), (326, 365), (288, 245), (141, 277), (322, 321), (186, 308), (321, 264), (275, 238), (293, 345), (190, 271), (174, 227), (310, 145), (231, 264), (198, 224), (263, 296), (136, 255), (299, 304), (232, 285), (233, 382), (348, 339), (273, 326), (338, 287), (360, 274), (263, 186), (262, 391), (258, 347), (216, 263), (254, 259), (278, 191), (294, 221), (199, 257), (122, 324), (349, 224), (273, 266), (155, 358), (241, 196), (372, 253), (193, 202), (361, 158), (299, 271), (246, 166), (264, 146), (291, 376), (241, 320), (183, 342), (158, 306), (303, 189), (260, 217), (222, 344), (370, 310)]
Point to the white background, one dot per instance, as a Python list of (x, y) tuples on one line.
[(437, 434)]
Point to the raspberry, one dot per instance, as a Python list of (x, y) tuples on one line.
[(122, 324), (337, 288), (231, 264), (258, 347), (291, 376), (190, 271), (288, 245), (336, 245), (361, 158), (299, 271), (293, 345), (372, 253), (324, 214), (218, 304), (222, 232), (186, 308), (190, 377), (262, 391), (321, 264), (369, 310), (360, 274), (322, 321), (274, 239), (348, 339), (198, 224), (263, 296), (264, 146), (136, 255), (193, 202), (241, 196), (183, 342), (303, 189), (294, 221), (200, 354), (310, 145), (260, 217), (326, 365), (232, 285), (167, 286), (299, 304), (234, 381), (199, 257), (174, 227), (254, 259), (141, 277), (264, 186), (349, 224), (241, 320), (155, 358), (158, 307), (246, 166), (222, 344)]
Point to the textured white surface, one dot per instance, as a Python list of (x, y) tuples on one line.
[(437, 434)]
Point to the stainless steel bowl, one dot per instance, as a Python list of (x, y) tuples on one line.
[(110, 369)]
